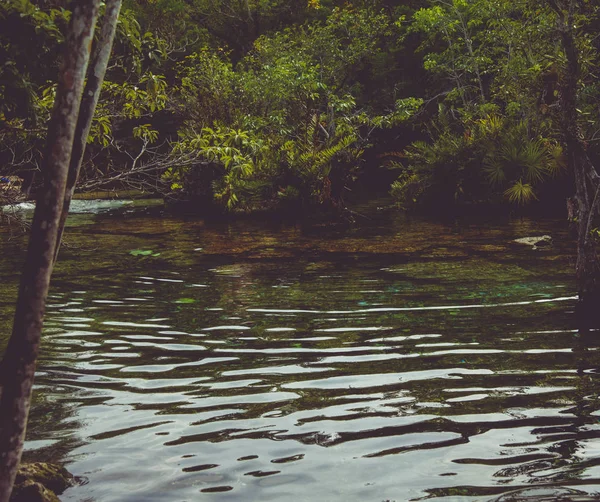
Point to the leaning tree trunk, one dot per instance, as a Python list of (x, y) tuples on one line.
[(18, 365), (91, 94), (587, 180)]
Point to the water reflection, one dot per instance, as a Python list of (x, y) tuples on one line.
[(252, 363)]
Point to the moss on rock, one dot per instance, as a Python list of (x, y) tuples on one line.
[(40, 482), (30, 491)]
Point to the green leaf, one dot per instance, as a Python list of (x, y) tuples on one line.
[(142, 252), (185, 300)]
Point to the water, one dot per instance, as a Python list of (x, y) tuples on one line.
[(393, 360)]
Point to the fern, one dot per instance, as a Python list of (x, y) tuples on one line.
[(321, 160)]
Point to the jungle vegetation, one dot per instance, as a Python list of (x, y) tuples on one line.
[(264, 104)]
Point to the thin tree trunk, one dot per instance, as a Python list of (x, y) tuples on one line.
[(469, 44), (586, 177), (91, 94), (18, 365)]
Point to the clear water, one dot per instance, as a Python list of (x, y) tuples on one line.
[(396, 359)]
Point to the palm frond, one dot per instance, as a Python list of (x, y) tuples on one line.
[(559, 160), (535, 161), (520, 193), (494, 171)]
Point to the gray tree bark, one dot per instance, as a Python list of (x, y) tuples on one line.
[(18, 365), (91, 95)]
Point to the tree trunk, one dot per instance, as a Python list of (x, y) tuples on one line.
[(91, 94), (587, 180), (18, 365)]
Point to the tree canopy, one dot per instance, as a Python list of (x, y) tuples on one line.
[(261, 104)]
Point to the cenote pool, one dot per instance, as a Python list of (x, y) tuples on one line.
[(395, 359)]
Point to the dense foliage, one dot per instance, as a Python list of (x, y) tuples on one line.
[(262, 104)]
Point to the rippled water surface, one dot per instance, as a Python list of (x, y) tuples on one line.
[(391, 360)]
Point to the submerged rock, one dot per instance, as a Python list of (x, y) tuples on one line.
[(536, 242), (40, 482)]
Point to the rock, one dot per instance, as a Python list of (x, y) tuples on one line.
[(39, 482), (30, 491), (535, 242)]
